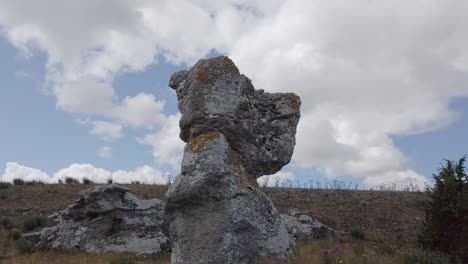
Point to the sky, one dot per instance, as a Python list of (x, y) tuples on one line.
[(84, 87)]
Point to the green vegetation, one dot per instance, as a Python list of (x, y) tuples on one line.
[(33, 183), (33, 222), (18, 181), (24, 247), (5, 185), (87, 181), (6, 223), (15, 234), (122, 260), (445, 227), (70, 180)]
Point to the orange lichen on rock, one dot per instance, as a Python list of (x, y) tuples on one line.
[(292, 123), (197, 144), (209, 69), (294, 100)]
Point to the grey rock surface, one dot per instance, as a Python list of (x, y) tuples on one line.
[(260, 126), (301, 226), (107, 218), (234, 135)]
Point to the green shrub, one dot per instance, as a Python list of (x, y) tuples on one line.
[(24, 247), (33, 223), (18, 181), (357, 234), (5, 185), (87, 181), (33, 183), (70, 180), (6, 223), (15, 234), (418, 256), (445, 227), (135, 182)]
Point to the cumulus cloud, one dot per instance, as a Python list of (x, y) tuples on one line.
[(141, 110), (167, 147), (366, 70), (144, 174), (276, 179), (105, 152), (14, 170), (106, 130)]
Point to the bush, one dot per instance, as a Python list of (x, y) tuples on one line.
[(87, 181), (18, 181), (6, 223), (5, 185), (109, 181), (445, 226), (358, 234), (24, 247), (33, 223), (33, 183), (15, 234), (70, 180), (135, 182), (419, 256)]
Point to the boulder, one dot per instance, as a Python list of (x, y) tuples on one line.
[(234, 135), (107, 218), (301, 226)]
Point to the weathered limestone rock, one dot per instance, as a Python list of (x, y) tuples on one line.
[(259, 126), (301, 226), (107, 218), (234, 135)]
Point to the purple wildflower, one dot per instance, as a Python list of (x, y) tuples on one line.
[(324, 252), (336, 248)]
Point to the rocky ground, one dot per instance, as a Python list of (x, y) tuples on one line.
[(394, 214)]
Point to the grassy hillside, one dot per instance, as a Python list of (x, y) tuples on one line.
[(379, 226)]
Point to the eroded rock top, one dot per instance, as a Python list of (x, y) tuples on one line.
[(260, 126)]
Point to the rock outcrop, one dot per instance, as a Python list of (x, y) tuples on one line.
[(234, 135), (107, 218), (301, 226)]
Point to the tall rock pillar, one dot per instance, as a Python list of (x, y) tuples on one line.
[(235, 134)]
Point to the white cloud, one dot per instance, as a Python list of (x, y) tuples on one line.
[(85, 96), (105, 152), (14, 170), (106, 130), (277, 179), (141, 110), (364, 73), (144, 174), (399, 180), (365, 70), (81, 171), (166, 144)]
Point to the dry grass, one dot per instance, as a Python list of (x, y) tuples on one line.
[(50, 257), (388, 220)]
